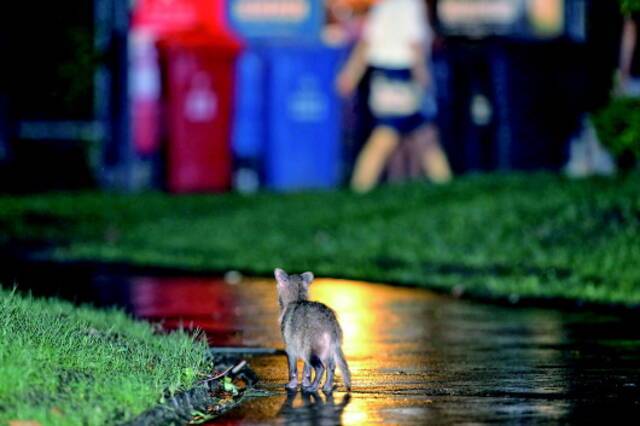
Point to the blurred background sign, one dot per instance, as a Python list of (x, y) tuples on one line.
[(276, 18), (166, 16), (529, 19)]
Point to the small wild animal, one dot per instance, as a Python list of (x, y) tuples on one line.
[(311, 333)]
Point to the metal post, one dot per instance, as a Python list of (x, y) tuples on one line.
[(111, 97), (101, 92), (502, 105), (5, 133), (120, 113)]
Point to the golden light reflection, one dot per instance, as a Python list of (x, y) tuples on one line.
[(357, 306), (366, 326), (354, 306), (356, 413)]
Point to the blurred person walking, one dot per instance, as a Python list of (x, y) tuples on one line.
[(395, 45), (629, 66)]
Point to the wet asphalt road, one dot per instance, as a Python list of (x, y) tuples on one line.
[(419, 358), (415, 357)]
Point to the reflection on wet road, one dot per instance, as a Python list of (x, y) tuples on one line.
[(415, 357)]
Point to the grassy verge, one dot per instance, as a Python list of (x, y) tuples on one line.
[(517, 236), (63, 365)]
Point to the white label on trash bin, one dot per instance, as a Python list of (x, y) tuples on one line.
[(271, 10), (201, 103), (308, 102)]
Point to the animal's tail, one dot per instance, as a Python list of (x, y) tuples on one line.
[(344, 368)]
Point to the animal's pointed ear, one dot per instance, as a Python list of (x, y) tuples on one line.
[(307, 278), (281, 276)]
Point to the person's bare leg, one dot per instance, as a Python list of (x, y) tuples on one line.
[(373, 158), (414, 157), (434, 161), (397, 170), (306, 375)]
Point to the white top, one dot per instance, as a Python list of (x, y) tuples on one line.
[(390, 30)]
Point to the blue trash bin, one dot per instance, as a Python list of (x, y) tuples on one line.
[(249, 120), (304, 116), (248, 127)]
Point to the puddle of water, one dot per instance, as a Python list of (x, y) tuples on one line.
[(416, 357)]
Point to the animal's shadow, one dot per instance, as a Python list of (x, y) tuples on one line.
[(314, 410)]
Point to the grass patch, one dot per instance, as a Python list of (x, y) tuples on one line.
[(523, 236), (64, 365)]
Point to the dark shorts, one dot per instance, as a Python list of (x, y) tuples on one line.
[(405, 123), (402, 124)]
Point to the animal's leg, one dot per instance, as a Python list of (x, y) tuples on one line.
[(293, 373), (317, 365), (331, 369), (306, 375)]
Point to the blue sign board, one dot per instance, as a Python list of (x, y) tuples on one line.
[(268, 19), (532, 19)]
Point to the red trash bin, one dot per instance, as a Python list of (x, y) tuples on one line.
[(199, 80)]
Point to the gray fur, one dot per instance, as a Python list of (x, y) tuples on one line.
[(310, 332)]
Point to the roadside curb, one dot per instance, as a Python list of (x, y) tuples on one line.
[(204, 402)]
